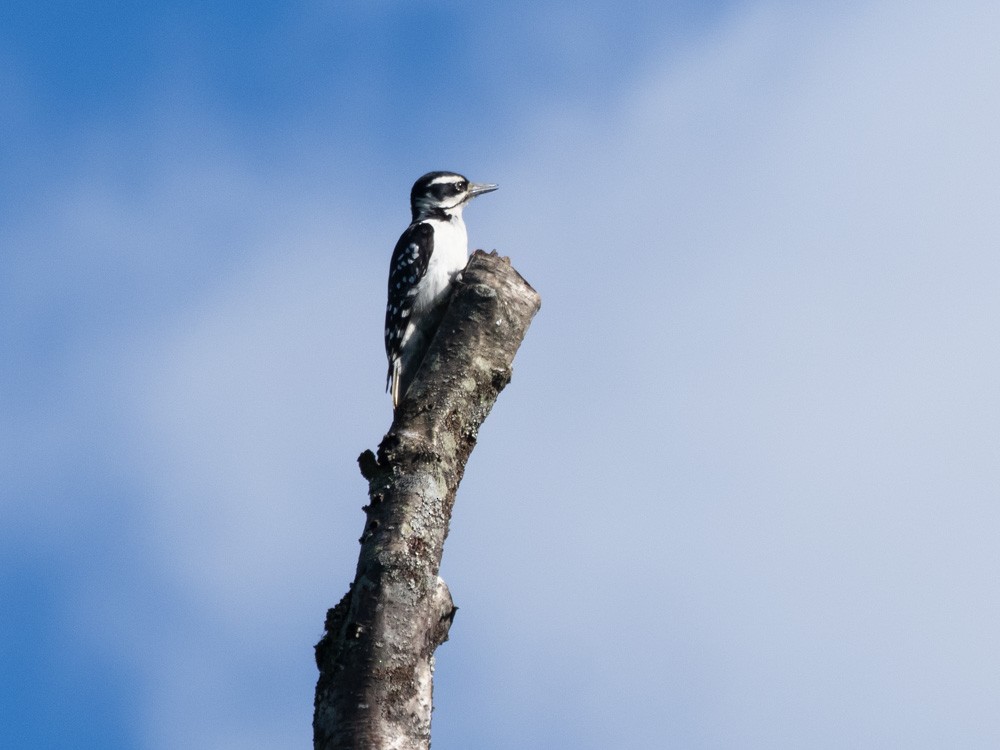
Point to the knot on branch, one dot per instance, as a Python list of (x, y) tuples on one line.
[(482, 291), (445, 608), (335, 619), (369, 465), (501, 379)]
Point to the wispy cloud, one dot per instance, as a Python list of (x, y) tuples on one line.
[(753, 425)]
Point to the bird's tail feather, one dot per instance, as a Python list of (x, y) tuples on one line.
[(394, 381)]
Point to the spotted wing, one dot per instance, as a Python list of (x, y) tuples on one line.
[(407, 267)]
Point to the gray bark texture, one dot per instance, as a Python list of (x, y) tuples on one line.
[(376, 658)]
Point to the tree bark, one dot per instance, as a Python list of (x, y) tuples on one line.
[(376, 658)]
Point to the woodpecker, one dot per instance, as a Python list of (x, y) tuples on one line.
[(428, 257)]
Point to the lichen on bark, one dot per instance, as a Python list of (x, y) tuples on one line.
[(376, 657)]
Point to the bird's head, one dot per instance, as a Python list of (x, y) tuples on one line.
[(443, 195)]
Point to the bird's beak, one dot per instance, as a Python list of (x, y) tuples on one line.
[(476, 188)]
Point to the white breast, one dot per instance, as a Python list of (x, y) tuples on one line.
[(451, 253)]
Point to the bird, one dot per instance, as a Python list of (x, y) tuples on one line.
[(426, 262)]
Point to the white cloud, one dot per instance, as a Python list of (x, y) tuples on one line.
[(777, 530), (754, 424)]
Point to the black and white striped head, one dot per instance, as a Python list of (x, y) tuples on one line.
[(443, 194)]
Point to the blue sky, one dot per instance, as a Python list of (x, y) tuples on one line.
[(743, 489)]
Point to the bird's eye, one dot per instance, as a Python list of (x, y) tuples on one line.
[(461, 186)]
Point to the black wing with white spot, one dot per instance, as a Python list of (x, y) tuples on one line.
[(407, 268)]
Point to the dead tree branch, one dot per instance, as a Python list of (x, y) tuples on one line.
[(376, 658)]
